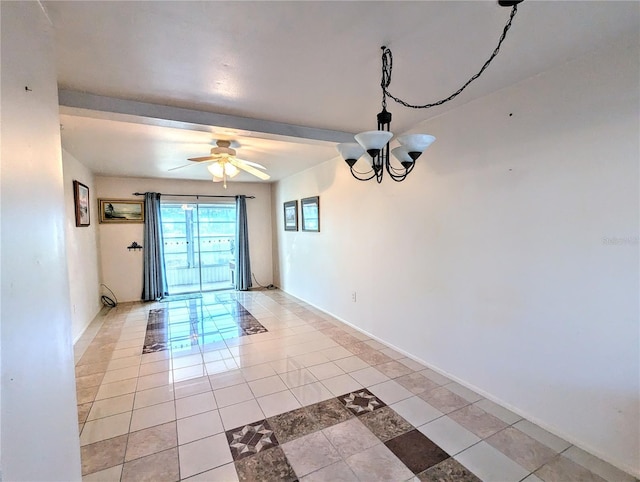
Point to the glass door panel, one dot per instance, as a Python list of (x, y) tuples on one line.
[(199, 241)]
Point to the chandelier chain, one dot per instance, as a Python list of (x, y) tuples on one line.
[(387, 67)]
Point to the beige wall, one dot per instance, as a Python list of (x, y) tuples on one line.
[(509, 258), (82, 249), (122, 269), (38, 412)]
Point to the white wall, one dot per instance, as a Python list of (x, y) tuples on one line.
[(122, 269), (83, 261), (509, 258), (39, 419)]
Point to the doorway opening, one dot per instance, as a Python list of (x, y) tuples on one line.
[(199, 245)]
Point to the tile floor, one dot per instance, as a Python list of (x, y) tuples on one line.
[(261, 386)]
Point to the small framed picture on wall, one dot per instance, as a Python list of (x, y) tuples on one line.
[(291, 216), (310, 208), (81, 201)]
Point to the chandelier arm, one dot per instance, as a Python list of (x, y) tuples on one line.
[(355, 174), (398, 177), (387, 66)]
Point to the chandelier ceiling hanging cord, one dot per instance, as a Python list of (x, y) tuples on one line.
[(376, 143)]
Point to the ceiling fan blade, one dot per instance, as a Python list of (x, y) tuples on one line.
[(201, 159), (254, 164), (251, 170), (181, 167)]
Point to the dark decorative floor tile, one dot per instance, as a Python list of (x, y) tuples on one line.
[(385, 423), (328, 413), (294, 424), (448, 471), (251, 439), (267, 466), (361, 402), (416, 451)]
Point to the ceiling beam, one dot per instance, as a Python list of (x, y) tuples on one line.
[(98, 106)]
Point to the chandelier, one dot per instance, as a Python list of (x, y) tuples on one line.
[(374, 145)]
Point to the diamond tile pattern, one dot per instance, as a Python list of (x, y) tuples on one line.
[(361, 402), (251, 439), (159, 383)]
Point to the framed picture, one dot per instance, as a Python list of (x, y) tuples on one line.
[(121, 211), (291, 216), (310, 213), (81, 202)]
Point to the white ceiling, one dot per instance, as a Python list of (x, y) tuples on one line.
[(309, 64)]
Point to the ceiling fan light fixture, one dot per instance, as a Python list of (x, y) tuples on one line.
[(220, 169)]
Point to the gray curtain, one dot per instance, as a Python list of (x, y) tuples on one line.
[(243, 263), (154, 285)]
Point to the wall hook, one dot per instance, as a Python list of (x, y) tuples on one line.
[(135, 246)]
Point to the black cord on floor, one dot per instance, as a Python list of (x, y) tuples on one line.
[(111, 303), (268, 287)]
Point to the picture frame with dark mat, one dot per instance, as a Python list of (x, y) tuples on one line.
[(81, 203), (310, 208), (291, 216)]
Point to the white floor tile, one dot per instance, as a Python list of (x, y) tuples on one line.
[(297, 378), (224, 473), (311, 393), (155, 380), (115, 389), (491, 465), (240, 414), (227, 379), (151, 416), (204, 454), (341, 384), (153, 396), (199, 426), (351, 364), (202, 402), (267, 386), (325, 370), (233, 394), (496, 410), (277, 403), (111, 406), (258, 371), (104, 428), (369, 376), (191, 387), (416, 411), (121, 374), (390, 392), (449, 435)]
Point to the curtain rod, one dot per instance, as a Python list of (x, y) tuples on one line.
[(192, 195)]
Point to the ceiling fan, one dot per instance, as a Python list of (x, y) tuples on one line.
[(225, 165)]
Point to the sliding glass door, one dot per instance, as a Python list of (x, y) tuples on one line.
[(199, 243)]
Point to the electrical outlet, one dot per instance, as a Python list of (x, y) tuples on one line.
[(353, 296)]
